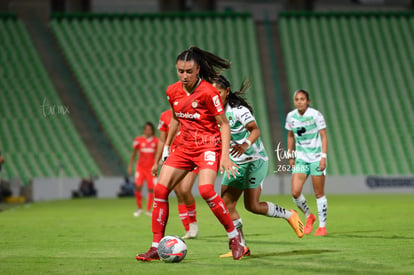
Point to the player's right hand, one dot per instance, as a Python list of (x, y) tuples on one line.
[(129, 170), (165, 153), (291, 163)]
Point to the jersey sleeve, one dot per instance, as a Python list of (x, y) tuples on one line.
[(320, 121), (135, 144), (244, 115), (213, 103), (170, 95), (288, 123), (162, 125)]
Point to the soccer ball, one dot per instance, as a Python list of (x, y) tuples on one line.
[(172, 249)]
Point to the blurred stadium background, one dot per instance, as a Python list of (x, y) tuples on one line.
[(79, 78)]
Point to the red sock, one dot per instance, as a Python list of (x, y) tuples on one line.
[(182, 211), (217, 206), (150, 200), (138, 198), (159, 212), (192, 212)]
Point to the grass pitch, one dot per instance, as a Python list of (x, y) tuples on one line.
[(367, 234)]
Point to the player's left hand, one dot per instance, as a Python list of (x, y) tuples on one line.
[(322, 164), (227, 165), (238, 149)]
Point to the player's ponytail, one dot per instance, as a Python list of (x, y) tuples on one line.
[(210, 64), (235, 99)]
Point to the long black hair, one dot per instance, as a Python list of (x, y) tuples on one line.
[(210, 64), (235, 99)]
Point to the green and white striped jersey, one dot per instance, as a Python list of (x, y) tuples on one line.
[(306, 131), (238, 118)]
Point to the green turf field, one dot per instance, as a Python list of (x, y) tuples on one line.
[(367, 235)]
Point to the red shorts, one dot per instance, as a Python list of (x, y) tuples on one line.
[(196, 161), (145, 174)]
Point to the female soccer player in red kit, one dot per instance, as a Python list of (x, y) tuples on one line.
[(186, 203), (198, 110), (145, 146)]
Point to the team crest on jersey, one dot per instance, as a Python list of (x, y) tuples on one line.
[(194, 104), (175, 103)]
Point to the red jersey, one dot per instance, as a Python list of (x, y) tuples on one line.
[(196, 112), (146, 149)]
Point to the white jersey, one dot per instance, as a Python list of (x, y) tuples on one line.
[(238, 119), (306, 129)]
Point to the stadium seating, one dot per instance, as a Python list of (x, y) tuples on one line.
[(124, 63), (33, 141), (358, 68)]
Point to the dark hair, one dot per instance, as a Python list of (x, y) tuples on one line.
[(210, 64), (306, 93), (235, 99), (151, 125)]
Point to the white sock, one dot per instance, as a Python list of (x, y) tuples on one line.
[(274, 210), (155, 245), (233, 233), (238, 224), (322, 203), (303, 205)]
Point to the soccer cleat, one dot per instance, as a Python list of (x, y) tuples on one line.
[(235, 245), (229, 254), (137, 213), (193, 232), (148, 213), (296, 223), (186, 235), (321, 231), (309, 224), (150, 255)]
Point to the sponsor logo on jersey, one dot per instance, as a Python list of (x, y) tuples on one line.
[(217, 103), (210, 157), (188, 115), (246, 116)]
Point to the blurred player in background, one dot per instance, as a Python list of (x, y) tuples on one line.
[(186, 203), (145, 146), (248, 152), (307, 131), (198, 111)]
